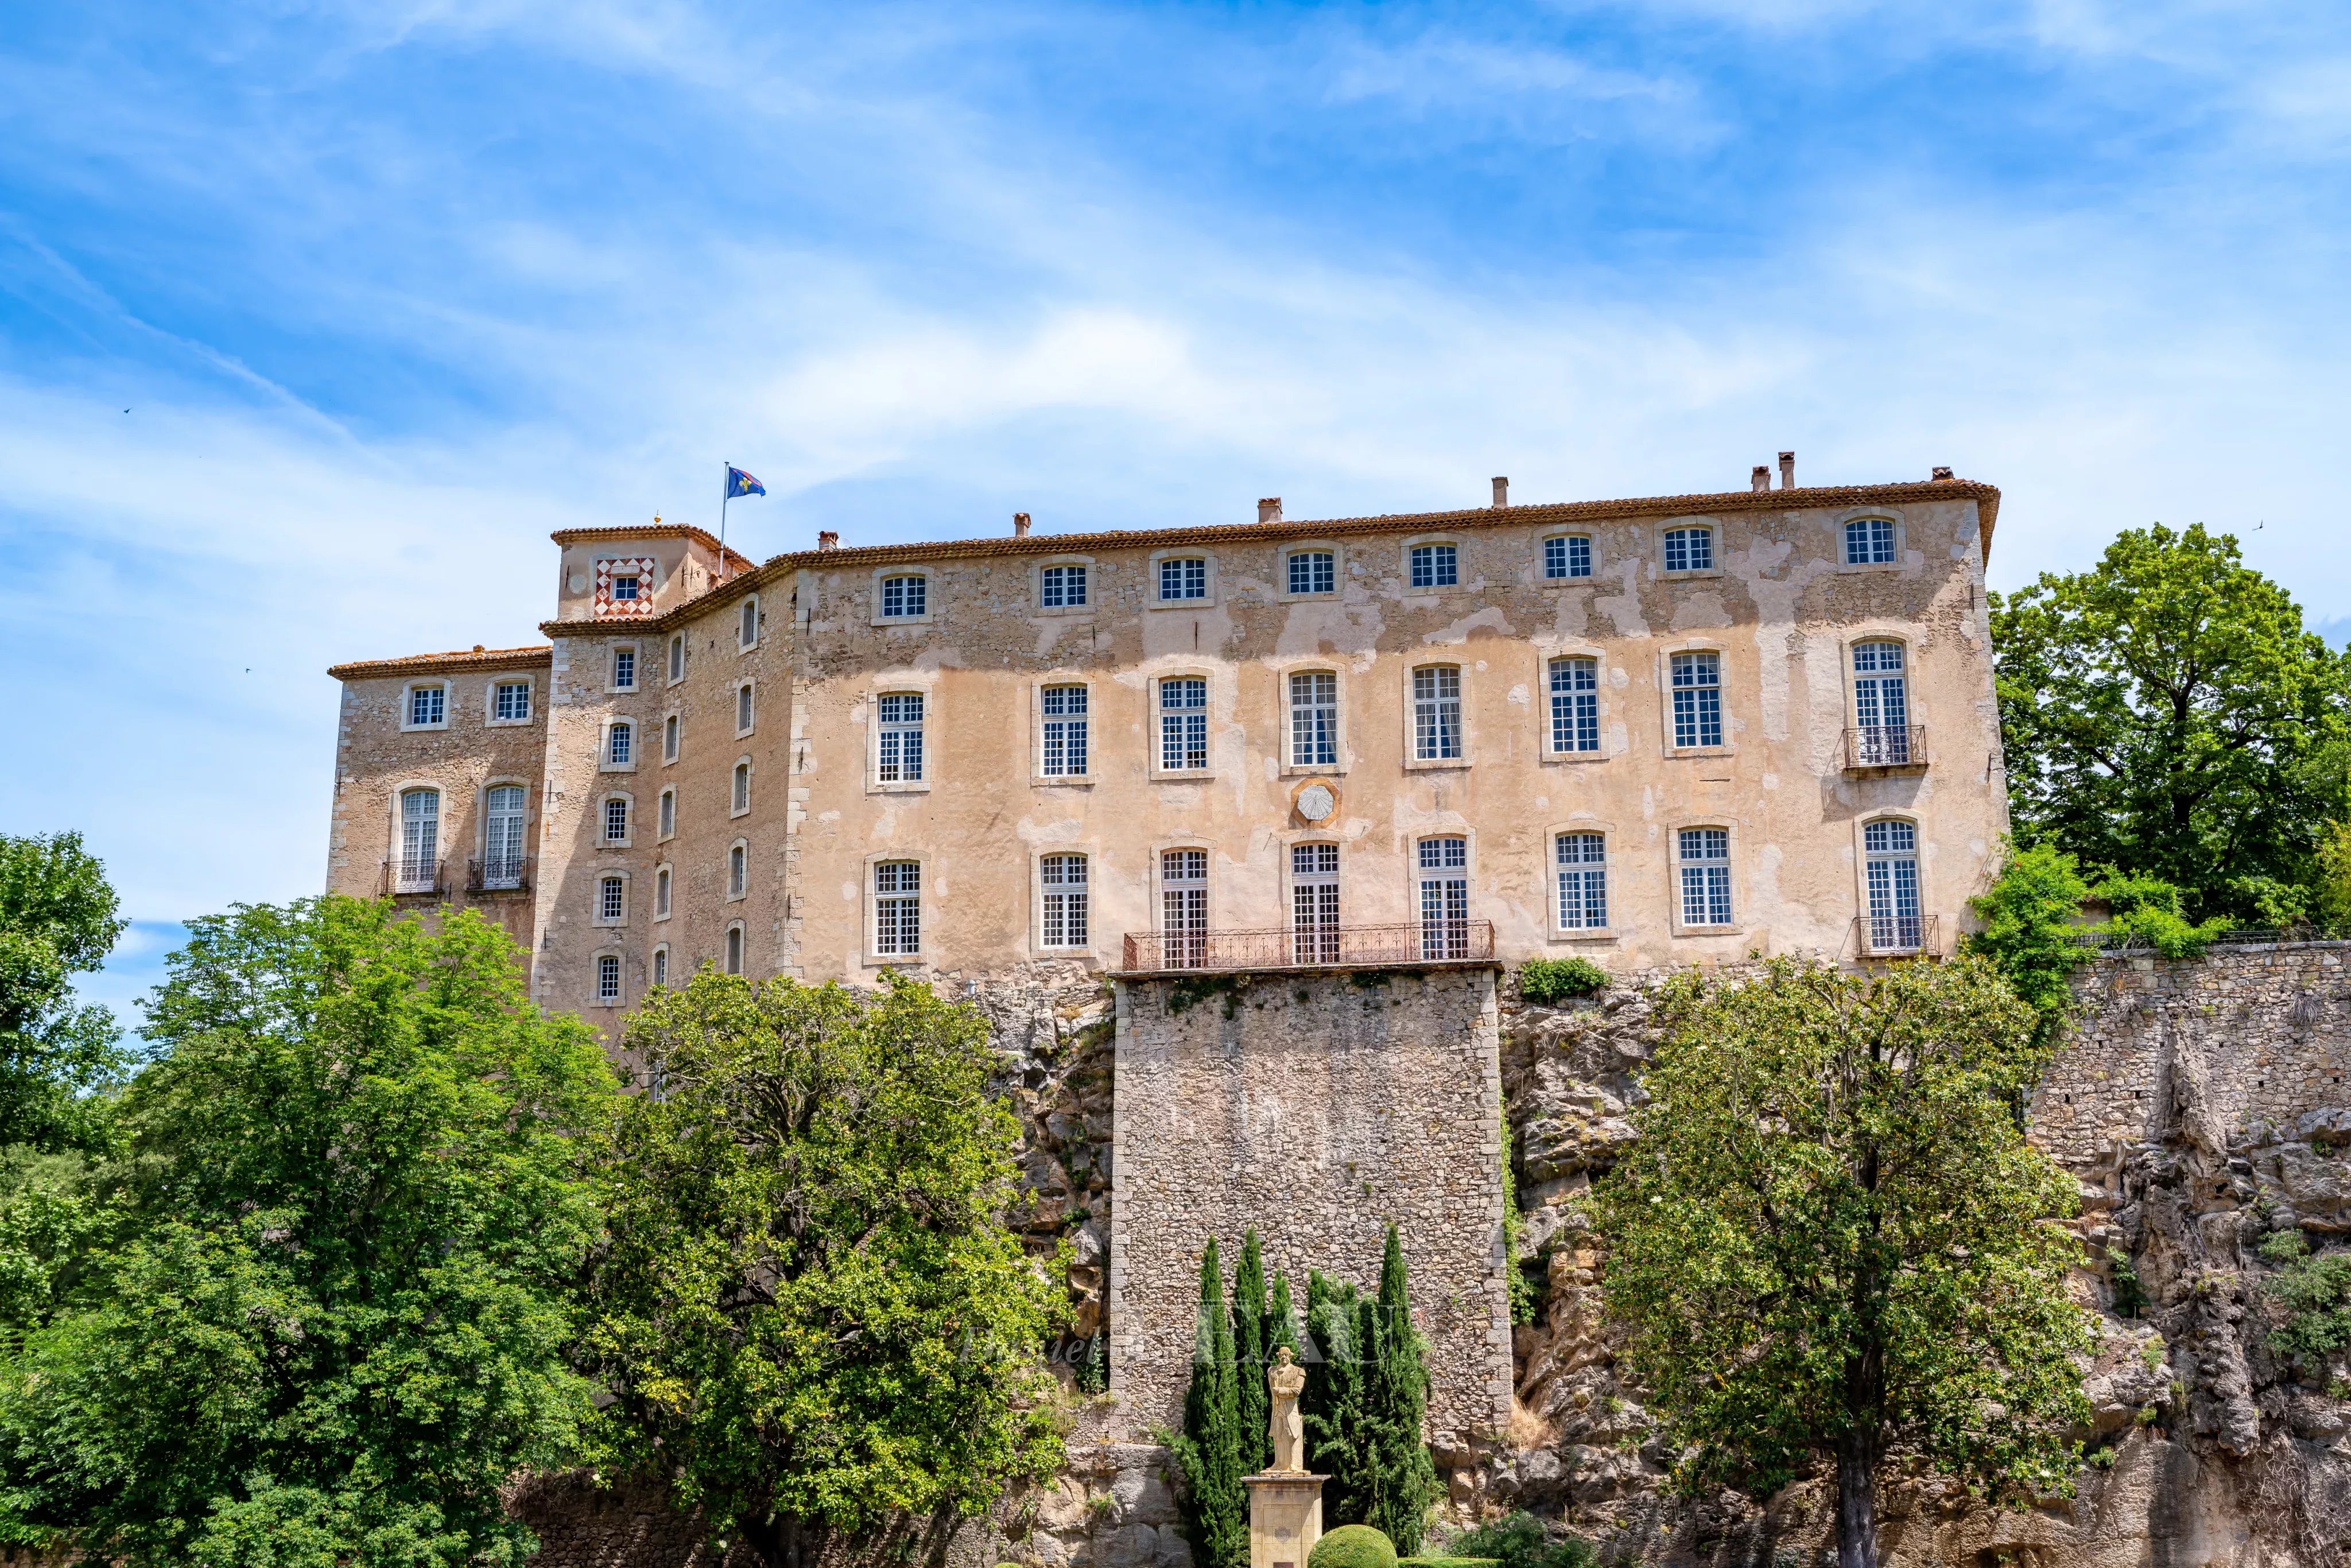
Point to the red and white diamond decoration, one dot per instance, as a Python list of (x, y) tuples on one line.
[(609, 567)]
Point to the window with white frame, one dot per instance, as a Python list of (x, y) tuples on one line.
[(1437, 713), (1581, 867), (1314, 904), (747, 631), (428, 706), (1436, 566), (661, 965), (897, 908), (738, 869), (1314, 719), (510, 701), (670, 727), (504, 813), (1690, 550), (668, 813), (1062, 586), (608, 979), (1698, 699), (735, 948), (746, 708), (905, 598), (420, 842), (627, 586), (1705, 854), (1182, 724), (612, 899), (1881, 705), (624, 669), (1063, 878), (1575, 705), (1184, 907), (619, 743), (1181, 577), (1065, 737), (1567, 555), (1314, 571), (1869, 541), (616, 820), (898, 754), (742, 796), (1890, 869), (677, 658), (660, 893), (1444, 897)]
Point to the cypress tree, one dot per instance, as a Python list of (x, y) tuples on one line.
[(1252, 1403), (1332, 1405), (1400, 1479), (1282, 1323), (1214, 1509)]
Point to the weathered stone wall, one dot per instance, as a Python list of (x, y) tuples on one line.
[(1315, 1110)]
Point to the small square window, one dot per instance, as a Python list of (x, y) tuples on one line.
[(427, 705), (904, 598), (1313, 571), (1436, 566), (1690, 550), (1062, 586), (624, 588), (1183, 578), (1567, 555), (1869, 541), (511, 701)]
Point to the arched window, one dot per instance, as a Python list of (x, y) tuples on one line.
[(735, 948), (1869, 541), (677, 658), (1314, 904), (502, 836), (1575, 705), (1314, 719), (1444, 897), (420, 842), (661, 965), (1705, 855), (1583, 873), (616, 820), (611, 900), (1890, 869), (745, 710), (661, 894), (619, 743), (738, 869), (1437, 713), (1881, 705), (742, 788), (1063, 878), (746, 635), (669, 739), (608, 980), (668, 812)]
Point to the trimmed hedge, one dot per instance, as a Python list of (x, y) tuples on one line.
[(1448, 1562), (1560, 980), (1352, 1546)]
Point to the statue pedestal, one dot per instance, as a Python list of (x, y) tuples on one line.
[(1285, 1517)]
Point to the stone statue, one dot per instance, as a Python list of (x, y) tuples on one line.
[(1286, 1382)]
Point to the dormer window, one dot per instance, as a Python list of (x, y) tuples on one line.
[(626, 586)]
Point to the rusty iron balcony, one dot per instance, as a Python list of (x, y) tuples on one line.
[(498, 873), (1896, 937), (405, 877), (1311, 947), (1888, 745)]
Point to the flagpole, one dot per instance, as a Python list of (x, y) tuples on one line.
[(725, 486)]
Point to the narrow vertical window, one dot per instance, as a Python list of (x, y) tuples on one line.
[(899, 754), (735, 949), (661, 894), (624, 669), (1184, 907), (742, 787), (427, 705), (620, 745), (511, 703), (904, 598), (616, 822), (745, 710), (661, 965), (1698, 699), (1690, 550), (608, 980), (612, 899), (1064, 880), (668, 813), (420, 842), (1314, 904), (677, 658), (669, 739), (1881, 702), (1437, 713), (1187, 577), (1313, 571), (746, 634), (1436, 566), (1182, 724), (1582, 868), (738, 871), (1062, 586), (1706, 876), (1314, 719), (502, 836), (1869, 541), (897, 908), (1890, 852), (1065, 741), (1444, 898), (1575, 705)]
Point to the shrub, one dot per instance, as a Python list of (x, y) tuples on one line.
[(1558, 979), (1448, 1562), (2028, 925), (1519, 1541), (1352, 1546), (2316, 1294), (2148, 908)]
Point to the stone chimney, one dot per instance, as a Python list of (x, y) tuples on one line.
[(1019, 525), (1268, 509), (1941, 472), (1787, 470), (1501, 491), (828, 539), (1761, 478)]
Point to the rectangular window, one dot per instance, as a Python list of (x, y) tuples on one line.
[(427, 705), (511, 700), (744, 711), (1706, 876), (1314, 719), (661, 965), (1314, 904), (1582, 880), (900, 755), (897, 908), (502, 837), (1566, 556), (1436, 566), (624, 588), (742, 787), (661, 894), (1184, 578), (624, 669), (1698, 699), (1891, 869), (1065, 877), (1184, 907), (1881, 702), (1575, 705), (1869, 541), (1182, 724), (1444, 898), (621, 747), (420, 840), (608, 980), (1690, 550), (738, 871), (1437, 713), (904, 596), (612, 898), (616, 822), (1313, 571), (669, 739), (1065, 732), (1062, 586), (668, 813), (677, 659)]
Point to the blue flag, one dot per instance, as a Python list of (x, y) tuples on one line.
[(741, 484)]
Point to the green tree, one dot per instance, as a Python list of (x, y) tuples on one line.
[(334, 1311), (811, 1313), (1252, 1401), (1402, 1480), (2166, 714), (1831, 1240), (2029, 920), (1208, 1449), (1331, 1408), (58, 919), (1281, 1328)]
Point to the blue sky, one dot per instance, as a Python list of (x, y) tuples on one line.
[(316, 318)]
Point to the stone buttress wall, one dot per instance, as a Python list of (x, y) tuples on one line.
[(1316, 1110)]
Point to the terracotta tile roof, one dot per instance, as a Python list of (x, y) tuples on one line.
[(423, 663), (652, 531)]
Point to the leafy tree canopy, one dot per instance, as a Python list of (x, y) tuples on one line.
[(2165, 715), (58, 919), (812, 1313), (327, 1314), (1832, 1240)]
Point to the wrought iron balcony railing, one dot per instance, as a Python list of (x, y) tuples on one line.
[(1312, 948), (1885, 746), (499, 873), (406, 876), (1896, 936)]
